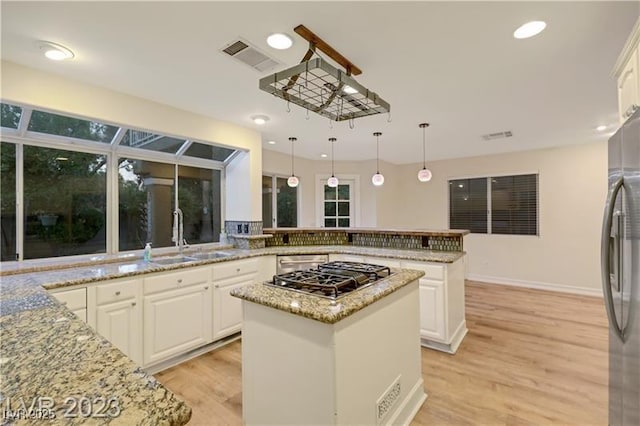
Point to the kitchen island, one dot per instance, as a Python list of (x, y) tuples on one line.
[(311, 360)]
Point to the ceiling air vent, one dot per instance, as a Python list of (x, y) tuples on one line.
[(499, 135), (244, 52)]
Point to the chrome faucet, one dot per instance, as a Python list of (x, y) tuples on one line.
[(178, 230)]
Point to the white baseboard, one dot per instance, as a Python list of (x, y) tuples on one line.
[(410, 406), (596, 292)]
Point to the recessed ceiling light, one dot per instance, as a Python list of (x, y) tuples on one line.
[(601, 128), (530, 29), (271, 142), (279, 41), (349, 90), (260, 119), (323, 155), (54, 51)]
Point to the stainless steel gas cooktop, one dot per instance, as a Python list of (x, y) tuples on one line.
[(331, 280)]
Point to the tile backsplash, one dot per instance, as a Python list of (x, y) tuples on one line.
[(384, 240), (243, 227)]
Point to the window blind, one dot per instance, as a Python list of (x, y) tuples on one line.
[(514, 205), (468, 204)]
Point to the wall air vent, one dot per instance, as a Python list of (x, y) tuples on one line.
[(499, 135), (244, 52)]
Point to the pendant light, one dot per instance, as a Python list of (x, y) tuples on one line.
[(424, 175), (293, 180), (332, 182), (377, 179)]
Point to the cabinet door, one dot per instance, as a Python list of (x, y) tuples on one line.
[(628, 90), (120, 323), (176, 321), (227, 310), (432, 318)]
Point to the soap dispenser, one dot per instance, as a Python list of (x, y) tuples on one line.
[(147, 253)]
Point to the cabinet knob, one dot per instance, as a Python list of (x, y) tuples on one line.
[(206, 288), (133, 303), (180, 281), (238, 270), (216, 286), (117, 293)]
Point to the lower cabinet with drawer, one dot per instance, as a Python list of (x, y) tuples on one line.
[(177, 313), (75, 300), (227, 310), (115, 311)]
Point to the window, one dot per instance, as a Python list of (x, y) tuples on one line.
[(513, 201), (279, 203), (199, 198), (8, 200), (337, 206), (145, 203), (65, 194), (59, 125), (64, 205)]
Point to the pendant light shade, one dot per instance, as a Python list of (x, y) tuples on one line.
[(293, 180), (332, 182), (377, 179), (425, 174)]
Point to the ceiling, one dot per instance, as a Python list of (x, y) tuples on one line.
[(452, 64)]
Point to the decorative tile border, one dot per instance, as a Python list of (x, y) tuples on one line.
[(410, 242)]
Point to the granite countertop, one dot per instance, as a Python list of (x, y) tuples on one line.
[(418, 232), (47, 352), (321, 309)]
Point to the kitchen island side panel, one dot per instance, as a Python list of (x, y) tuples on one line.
[(375, 347), (287, 361)]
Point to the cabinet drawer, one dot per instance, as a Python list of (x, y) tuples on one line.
[(435, 272), (72, 299), (231, 269), (114, 292), (172, 280)]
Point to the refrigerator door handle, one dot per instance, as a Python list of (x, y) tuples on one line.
[(606, 254)]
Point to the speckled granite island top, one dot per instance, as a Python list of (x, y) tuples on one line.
[(319, 308)]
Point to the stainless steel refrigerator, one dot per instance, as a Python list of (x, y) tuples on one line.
[(621, 273)]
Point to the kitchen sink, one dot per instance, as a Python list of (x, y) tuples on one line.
[(212, 255), (174, 260)]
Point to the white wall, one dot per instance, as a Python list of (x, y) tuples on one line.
[(309, 170), (572, 180), (35, 88)]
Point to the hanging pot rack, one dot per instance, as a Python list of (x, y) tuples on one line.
[(318, 86)]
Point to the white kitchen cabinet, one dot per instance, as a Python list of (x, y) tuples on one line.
[(75, 300), (432, 318), (115, 311), (177, 313), (627, 74), (442, 317), (227, 310)]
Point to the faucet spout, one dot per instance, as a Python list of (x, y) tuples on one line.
[(178, 229)]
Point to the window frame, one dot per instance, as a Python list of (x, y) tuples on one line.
[(489, 199), (354, 182), (274, 198), (112, 150)]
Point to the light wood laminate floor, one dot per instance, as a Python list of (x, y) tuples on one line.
[(530, 357)]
